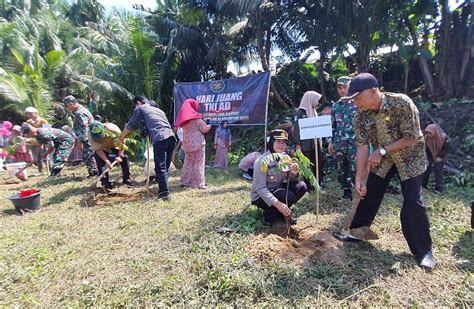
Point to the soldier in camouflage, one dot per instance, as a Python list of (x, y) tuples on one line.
[(82, 119), (343, 142), (55, 140)]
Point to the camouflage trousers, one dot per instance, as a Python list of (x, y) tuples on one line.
[(88, 158), (61, 154), (345, 163)]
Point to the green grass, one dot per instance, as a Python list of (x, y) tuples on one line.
[(147, 252)]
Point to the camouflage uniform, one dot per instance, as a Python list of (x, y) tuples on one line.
[(343, 140), (61, 141), (82, 118)]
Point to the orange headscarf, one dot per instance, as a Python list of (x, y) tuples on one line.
[(436, 140)]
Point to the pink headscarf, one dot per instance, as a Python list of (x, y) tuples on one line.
[(436, 140), (309, 102), (6, 128), (7, 125), (188, 111)]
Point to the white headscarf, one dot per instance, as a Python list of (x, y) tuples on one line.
[(309, 102)]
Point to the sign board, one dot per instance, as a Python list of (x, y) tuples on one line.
[(240, 101), (315, 127)]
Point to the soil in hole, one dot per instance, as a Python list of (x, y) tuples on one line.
[(113, 198), (303, 246)]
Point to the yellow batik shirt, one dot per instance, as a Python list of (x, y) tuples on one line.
[(397, 118)]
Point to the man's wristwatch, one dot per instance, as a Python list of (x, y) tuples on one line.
[(383, 152)]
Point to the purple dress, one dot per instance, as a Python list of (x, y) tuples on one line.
[(222, 142)]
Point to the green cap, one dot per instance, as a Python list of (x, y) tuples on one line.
[(97, 129), (69, 99)]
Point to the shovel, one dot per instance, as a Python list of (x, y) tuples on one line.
[(106, 171), (363, 232), (17, 174)]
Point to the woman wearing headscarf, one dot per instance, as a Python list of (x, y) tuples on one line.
[(270, 190), (307, 109), (436, 141), (222, 143), (22, 153), (193, 144)]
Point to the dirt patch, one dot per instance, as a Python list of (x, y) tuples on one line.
[(302, 246), (7, 182), (100, 198)]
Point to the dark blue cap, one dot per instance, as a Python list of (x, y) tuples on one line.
[(361, 82)]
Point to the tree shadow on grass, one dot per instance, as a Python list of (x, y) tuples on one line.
[(63, 196), (11, 212), (54, 181), (463, 249)]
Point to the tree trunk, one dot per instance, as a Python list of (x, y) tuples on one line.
[(425, 69), (322, 83), (407, 70), (263, 52), (445, 77), (468, 47)]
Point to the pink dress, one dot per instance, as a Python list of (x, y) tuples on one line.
[(22, 153), (194, 146), (76, 153)]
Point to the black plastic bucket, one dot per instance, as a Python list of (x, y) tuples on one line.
[(26, 204)]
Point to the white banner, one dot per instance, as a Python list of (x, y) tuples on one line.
[(315, 127)]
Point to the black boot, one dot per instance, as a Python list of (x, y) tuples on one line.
[(347, 195), (55, 172)]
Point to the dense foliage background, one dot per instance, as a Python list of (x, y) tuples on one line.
[(51, 48)]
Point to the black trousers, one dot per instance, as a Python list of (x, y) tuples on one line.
[(437, 167), (413, 216), (296, 190), (163, 153), (250, 171), (111, 157)]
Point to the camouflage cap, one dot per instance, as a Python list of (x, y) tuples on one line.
[(97, 129), (344, 80), (69, 99)]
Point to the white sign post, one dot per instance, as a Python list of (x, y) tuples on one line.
[(316, 128)]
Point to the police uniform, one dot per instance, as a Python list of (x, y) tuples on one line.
[(270, 185)]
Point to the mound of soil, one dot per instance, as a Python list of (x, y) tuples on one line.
[(302, 246)]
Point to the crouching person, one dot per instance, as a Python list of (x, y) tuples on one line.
[(269, 191), (104, 138), (56, 140)]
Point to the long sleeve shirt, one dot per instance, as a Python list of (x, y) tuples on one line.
[(82, 119), (267, 181), (154, 119)]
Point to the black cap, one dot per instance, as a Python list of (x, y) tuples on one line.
[(279, 134), (361, 82), (25, 128), (324, 105)]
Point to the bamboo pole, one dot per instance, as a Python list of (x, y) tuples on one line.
[(317, 177)]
